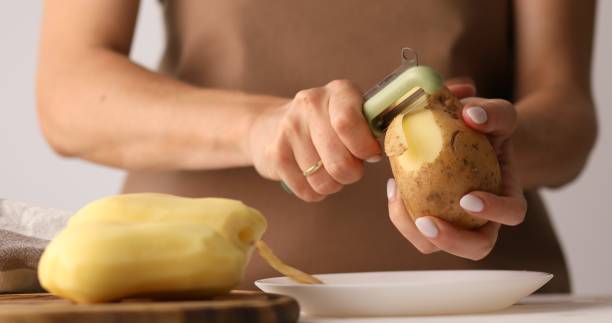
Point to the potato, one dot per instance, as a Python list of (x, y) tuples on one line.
[(230, 218), (436, 159), (151, 245)]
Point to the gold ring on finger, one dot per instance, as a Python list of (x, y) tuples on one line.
[(312, 169)]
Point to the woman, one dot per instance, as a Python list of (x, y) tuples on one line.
[(252, 93)]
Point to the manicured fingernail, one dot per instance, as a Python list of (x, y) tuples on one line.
[(391, 188), (427, 227), (477, 114), (471, 203), (374, 159)]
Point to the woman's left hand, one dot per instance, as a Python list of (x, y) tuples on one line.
[(497, 119)]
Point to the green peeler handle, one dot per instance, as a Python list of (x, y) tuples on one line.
[(394, 86)]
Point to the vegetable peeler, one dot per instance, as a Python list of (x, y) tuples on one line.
[(405, 89)]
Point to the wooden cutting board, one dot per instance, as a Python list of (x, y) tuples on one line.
[(238, 306)]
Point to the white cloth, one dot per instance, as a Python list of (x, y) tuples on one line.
[(31, 221), (24, 232)]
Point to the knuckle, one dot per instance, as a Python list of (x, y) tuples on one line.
[(342, 123), (365, 150), (340, 84), (325, 187), (345, 171), (301, 188), (303, 94), (290, 125), (336, 168), (307, 97), (280, 156), (304, 193)]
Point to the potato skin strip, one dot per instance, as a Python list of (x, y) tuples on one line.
[(299, 276)]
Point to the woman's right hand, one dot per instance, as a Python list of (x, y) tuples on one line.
[(324, 123)]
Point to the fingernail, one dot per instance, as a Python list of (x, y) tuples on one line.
[(391, 188), (477, 114), (374, 159), (471, 203), (427, 227)]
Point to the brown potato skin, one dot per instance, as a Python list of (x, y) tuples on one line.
[(466, 163)]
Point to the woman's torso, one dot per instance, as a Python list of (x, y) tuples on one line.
[(279, 47)]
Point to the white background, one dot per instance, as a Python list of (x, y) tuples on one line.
[(29, 171)]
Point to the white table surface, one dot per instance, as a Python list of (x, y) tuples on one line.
[(537, 308)]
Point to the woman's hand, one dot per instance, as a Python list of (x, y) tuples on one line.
[(324, 123), (497, 119)]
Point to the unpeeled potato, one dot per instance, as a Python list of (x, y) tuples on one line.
[(436, 159)]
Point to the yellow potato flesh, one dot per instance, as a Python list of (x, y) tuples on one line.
[(423, 140), (230, 218), (121, 260), (151, 244)]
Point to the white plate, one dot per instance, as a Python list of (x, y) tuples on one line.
[(403, 293)]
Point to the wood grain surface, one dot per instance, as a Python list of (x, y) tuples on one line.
[(238, 306)]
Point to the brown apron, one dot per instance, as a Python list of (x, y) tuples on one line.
[(279, 47)]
